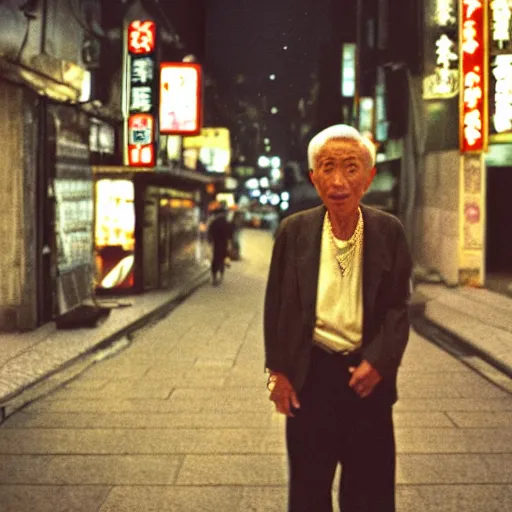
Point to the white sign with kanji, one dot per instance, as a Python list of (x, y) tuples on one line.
[(502, 71), (501, 15), (445, 12)]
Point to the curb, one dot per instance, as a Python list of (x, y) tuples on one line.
[(454, 344), (175, 299)]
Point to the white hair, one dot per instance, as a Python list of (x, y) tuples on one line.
[(339, 131)]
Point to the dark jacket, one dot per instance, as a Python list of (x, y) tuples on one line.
[(290, 300)]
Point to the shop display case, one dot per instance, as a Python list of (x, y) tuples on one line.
[(146, 231)]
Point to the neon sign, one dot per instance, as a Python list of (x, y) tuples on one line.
[(180, 98), (141, 93), (501, 15), (141, 133), (444, 81), (141, 37), (502, 72), (473, 113), (445, 12)]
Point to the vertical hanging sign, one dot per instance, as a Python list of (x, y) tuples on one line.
[(141, 93), (474, 75)]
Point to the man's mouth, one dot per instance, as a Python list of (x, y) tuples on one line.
[(339, 197)]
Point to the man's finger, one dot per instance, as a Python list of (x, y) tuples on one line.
[(295, 400)]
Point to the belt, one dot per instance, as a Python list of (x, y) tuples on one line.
[(330, 351)]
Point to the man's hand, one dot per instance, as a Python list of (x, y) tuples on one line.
[(364, 379), (282, 393)]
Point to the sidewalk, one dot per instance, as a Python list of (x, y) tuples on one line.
[(180, 421), (28, 359), (477, 319)]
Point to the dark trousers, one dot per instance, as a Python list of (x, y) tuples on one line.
[(220, 252), (334, 425)]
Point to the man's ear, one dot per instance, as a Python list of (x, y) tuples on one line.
[(311, 178), (372, 173)]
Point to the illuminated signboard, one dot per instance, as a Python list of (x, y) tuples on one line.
[(141, 134), (141, 93), (115, 233), (473, 57), (443, 82), (501, 14), (141, 37), (180, 98)]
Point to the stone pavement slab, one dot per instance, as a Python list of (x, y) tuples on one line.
[(52, 498), (89, 469), (174, 499)]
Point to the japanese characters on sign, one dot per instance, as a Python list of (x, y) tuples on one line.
[(445, 12), (141, 37), (141, 130), (501, 14), (180, 98), (502, 93), (141, 93), (473, 114), (443, 81)]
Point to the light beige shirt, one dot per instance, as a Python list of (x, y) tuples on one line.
[(339, 307)]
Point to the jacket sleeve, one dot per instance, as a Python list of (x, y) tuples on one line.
[(385, 351), (274, 359)]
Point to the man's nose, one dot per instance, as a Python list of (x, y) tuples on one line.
[(339, 178)]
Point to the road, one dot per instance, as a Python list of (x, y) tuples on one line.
[(180, 421)]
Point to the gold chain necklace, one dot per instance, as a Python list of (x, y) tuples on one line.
[(346, 258)]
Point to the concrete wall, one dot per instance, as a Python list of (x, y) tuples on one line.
[(12, 256), (437, 218)]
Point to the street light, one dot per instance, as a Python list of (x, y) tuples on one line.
[(263, 161), (275, 161), (272, 76), (274, 110)]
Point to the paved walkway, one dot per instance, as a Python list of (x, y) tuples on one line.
[(180, 421), (29, 360), (478, 317)]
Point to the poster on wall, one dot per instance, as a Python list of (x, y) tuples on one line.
[(472, 219)]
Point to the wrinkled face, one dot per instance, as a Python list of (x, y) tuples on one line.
[(342, 175)]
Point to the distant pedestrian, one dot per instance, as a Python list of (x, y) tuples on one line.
[(237, 225), (335, 328), (219, 235)]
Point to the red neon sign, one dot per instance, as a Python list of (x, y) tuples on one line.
[(180, 98), (141, 37), (473, 108), (141, 148)]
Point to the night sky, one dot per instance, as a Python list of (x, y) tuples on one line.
[(248, 37)]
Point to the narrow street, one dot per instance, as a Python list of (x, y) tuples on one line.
[(180, 421)]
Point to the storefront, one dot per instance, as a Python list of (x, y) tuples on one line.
[(146, 228)]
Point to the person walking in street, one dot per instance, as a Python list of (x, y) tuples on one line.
[(335, 328), (219, 235), (237, 225)]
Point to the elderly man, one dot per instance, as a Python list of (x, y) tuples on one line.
[(336, 326)]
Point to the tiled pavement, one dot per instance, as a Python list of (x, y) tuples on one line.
[(180, 421)]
